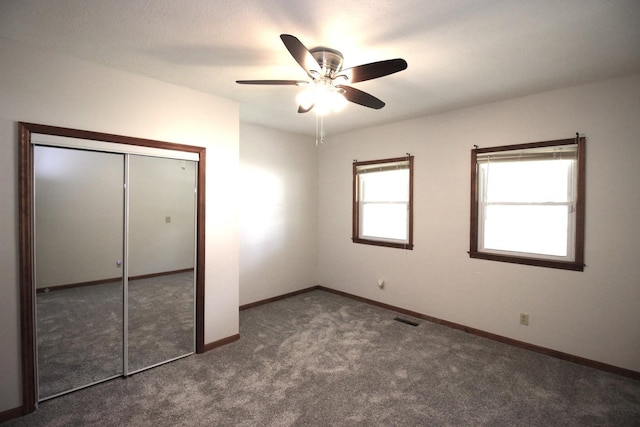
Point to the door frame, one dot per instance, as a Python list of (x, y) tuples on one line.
[(26, 234)]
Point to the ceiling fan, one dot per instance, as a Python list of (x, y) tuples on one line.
[(324, 68)]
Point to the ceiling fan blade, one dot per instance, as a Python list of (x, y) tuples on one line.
[(374, 70), (301, 109), (360, 97), (272, 82), (300, 53)]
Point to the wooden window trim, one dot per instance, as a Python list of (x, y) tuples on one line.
[(356, 206), (578, 263)]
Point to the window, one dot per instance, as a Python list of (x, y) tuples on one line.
[(383, 202), (527, 203)]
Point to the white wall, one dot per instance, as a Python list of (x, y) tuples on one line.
[(278, 217), (593, 314), (45, 87)]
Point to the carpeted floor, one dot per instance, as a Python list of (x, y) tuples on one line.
[(318, 359), (80, 338)]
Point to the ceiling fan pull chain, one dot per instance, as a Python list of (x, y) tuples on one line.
[(319, 129)]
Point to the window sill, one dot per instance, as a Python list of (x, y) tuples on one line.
[(564, 265), (407, 246)]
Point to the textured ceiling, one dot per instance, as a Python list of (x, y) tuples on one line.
[(460, 53)]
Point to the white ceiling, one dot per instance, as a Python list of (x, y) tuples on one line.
[(460, 52)]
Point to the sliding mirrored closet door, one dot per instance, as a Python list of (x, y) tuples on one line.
[(160, 296), (79, 212), (114, 264)]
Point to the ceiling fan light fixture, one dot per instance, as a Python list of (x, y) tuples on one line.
[(337, 100), (324, 99), (306, 98)]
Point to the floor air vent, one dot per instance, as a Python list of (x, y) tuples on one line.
[(408, 322)]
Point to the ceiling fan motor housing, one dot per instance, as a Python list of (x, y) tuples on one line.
[(330, 60)]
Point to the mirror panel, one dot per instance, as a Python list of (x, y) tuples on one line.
[(79, 211), (161, 282)]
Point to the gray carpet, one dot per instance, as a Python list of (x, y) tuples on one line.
[(80, 329), (319, 359)]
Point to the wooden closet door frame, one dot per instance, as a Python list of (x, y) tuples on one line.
[(26, 234)]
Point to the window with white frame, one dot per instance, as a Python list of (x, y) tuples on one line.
[(382, 202), (527, 204)]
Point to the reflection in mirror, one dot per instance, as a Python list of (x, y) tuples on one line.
[(79, 211), (162, 202)]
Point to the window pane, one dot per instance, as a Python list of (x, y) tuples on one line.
[(532, 229), (389, 186), (528, 181), (384, 220)]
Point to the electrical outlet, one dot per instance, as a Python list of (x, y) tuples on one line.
[(524, 319)]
